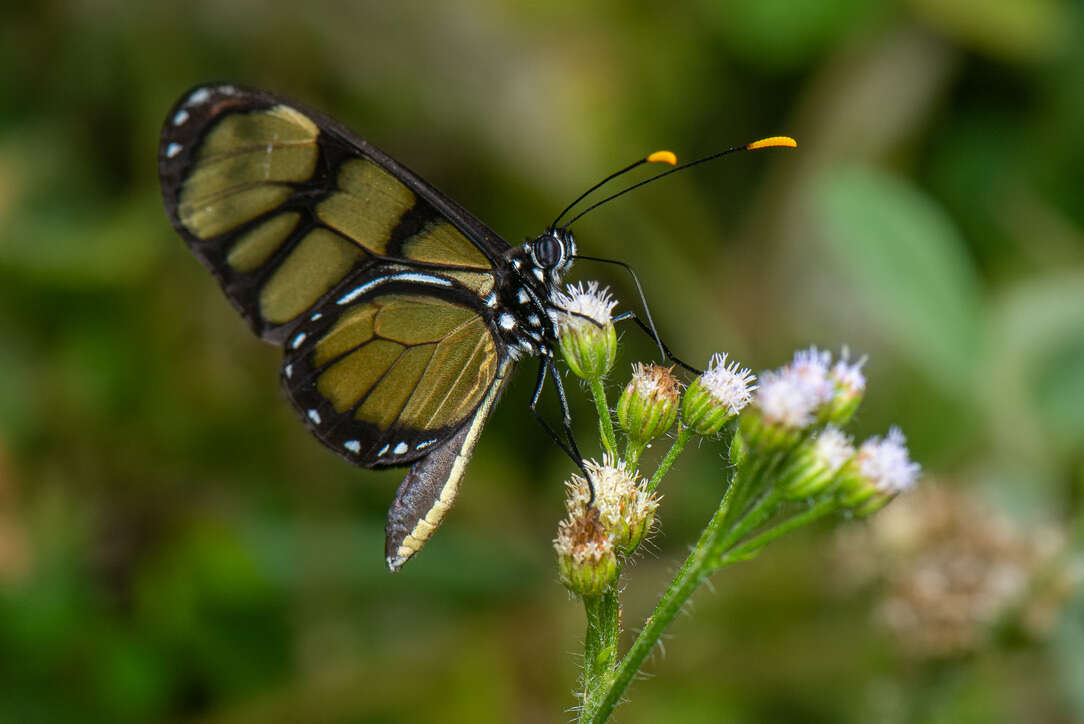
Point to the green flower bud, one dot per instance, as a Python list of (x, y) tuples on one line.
[(585, 330), (850, 388), (715, 397), (648, 406), (817, 464)]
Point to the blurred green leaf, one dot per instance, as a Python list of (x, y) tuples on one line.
[(1014, 29), (903, 256)]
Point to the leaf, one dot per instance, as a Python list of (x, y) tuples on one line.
[(912, 279)]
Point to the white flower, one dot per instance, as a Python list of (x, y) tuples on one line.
[(833, 448), (728, 383), (886, 463), (578, 301), (849, 375)]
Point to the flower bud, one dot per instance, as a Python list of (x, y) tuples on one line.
[(817, 464), (585, 330), (648, 406), (880, 470), (716, 396), (788, 401), (850, 388)]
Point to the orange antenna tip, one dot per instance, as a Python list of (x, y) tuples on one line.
[(772, 142), (663, 157)]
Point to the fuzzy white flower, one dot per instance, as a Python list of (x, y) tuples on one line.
[(848, 375), (579, 301), (886, 463), (730, 384), (833, 448)]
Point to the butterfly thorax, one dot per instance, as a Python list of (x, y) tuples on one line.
[(527, 317)]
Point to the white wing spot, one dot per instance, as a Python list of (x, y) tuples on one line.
[(315, 317), (173, 149), (314, 416), (400, 448), (383, 450), (423, 445), (298, 340), (180, 117), (491, 300), (507, 321), (288, 370), (521, 296), (534, 321), (198, 97), (353, 446), (539, 275)]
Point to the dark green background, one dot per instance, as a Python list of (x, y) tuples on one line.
[(174, 546)]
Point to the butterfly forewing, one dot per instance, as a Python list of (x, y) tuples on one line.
[(285, 207)]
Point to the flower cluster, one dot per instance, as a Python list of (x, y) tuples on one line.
[(786, 444)]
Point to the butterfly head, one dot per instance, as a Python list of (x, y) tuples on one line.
[(552, 251)]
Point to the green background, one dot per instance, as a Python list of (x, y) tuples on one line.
[(174, 546)]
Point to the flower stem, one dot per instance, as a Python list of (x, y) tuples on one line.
[(605, 422), (598, 705), (600, 647), (682, 439), (817, 510), (633, 452)]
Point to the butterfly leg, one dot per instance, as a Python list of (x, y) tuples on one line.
[(570, 448), (647, 330)]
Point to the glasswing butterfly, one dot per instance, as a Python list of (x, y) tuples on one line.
[(400, 313)]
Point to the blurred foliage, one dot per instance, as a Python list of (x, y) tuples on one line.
[(173, 545)]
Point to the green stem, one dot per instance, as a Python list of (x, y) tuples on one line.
[(680, 441), (818, 510), (598, 705), (605, 422), (632, 455), (600, 646)]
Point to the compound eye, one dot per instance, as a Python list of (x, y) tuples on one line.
[(547, 251)]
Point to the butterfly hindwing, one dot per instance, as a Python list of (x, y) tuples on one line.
[(386, 377)]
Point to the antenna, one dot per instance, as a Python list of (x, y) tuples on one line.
[(771, 142), (656, 157)]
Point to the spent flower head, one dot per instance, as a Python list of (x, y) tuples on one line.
[(585, 329), (881, 470), (717, 396), (586, 559), (623, 505), (648, 406)]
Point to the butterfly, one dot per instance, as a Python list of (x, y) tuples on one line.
[(400, 314)]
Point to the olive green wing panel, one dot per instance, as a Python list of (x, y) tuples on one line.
[(391, 376)]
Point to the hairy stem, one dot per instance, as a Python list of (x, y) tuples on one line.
[(605, 421), (600, 647)]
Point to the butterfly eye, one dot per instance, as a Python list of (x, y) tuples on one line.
[(547, 251)]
